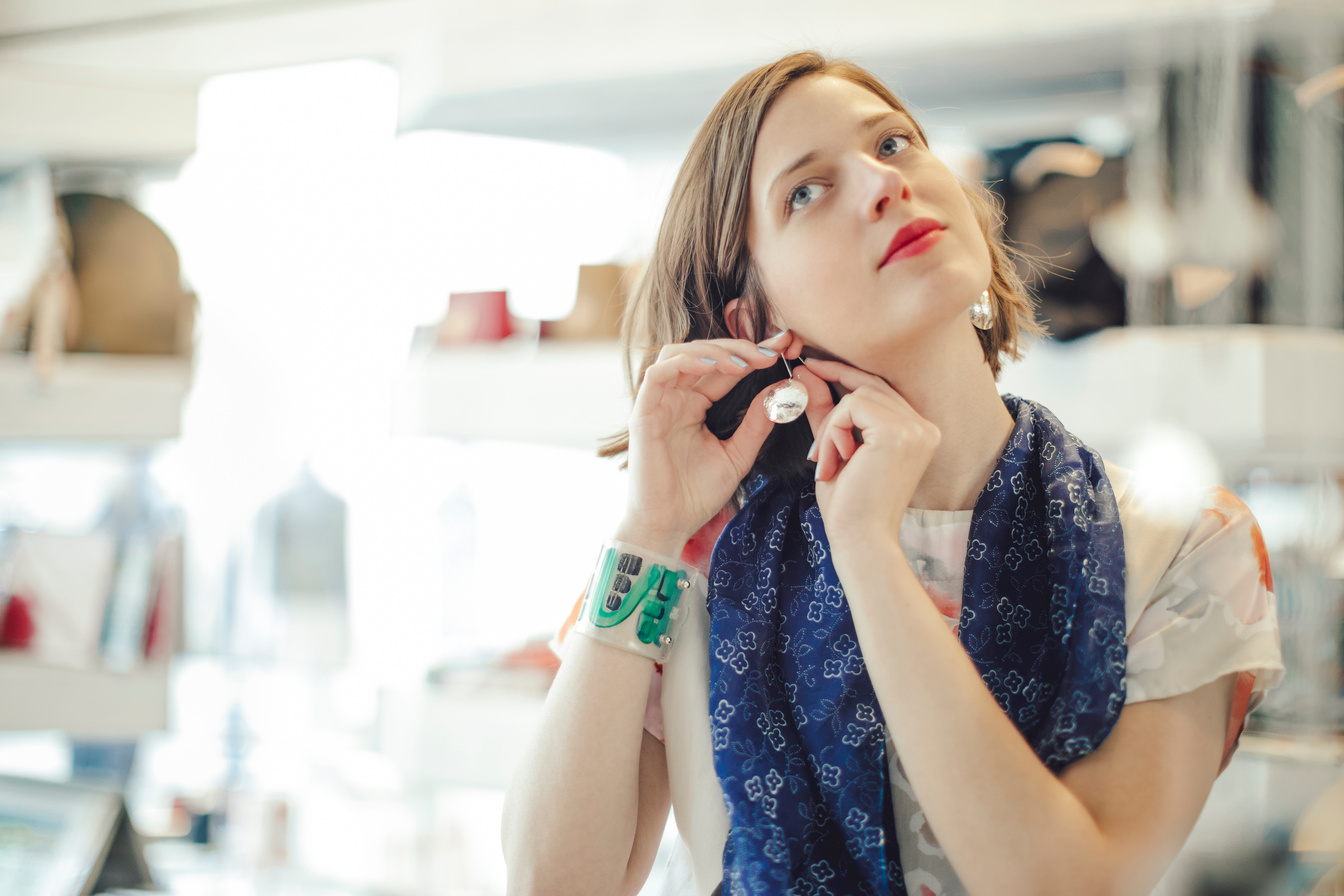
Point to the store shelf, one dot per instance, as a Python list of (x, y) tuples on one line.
[(94, 398), (35, 696), (1251, 392), (1268, 394), (1313, 749), (564, 393)]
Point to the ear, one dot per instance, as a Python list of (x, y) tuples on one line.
[(730, 317), (738, 324)]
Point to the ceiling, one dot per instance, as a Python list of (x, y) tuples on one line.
[(92, 80)]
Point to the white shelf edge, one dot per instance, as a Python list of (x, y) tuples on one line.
[(1247, 390), (36, 696), (107, 398), (554, 392)]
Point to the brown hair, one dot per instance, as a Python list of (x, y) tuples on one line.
[(701, 261)]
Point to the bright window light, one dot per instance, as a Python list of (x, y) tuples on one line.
[(317, 240), (472, 212)]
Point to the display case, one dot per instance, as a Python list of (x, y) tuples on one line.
[(126, 404)]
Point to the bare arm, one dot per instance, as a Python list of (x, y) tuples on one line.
[(1109, 824), (586, 808)]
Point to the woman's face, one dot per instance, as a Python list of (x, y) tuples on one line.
[(841, 191)]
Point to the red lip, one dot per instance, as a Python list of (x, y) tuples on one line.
[(907, 235)]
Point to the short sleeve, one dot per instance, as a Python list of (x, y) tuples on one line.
[(1211, 614)]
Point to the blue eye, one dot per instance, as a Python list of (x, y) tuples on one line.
[(803, 195), (892, 144)]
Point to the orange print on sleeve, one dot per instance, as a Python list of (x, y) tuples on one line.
[(1228, 507), (949, 606), (1236, 722)]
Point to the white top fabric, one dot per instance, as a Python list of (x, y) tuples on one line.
[(1199, 605)]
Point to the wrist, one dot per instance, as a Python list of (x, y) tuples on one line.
[(865, 540), (868, 550), (632, 599), (665, 543)]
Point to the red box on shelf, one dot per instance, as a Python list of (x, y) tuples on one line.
[(476, 317)]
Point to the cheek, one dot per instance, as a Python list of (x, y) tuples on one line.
[(793, 271), (823, 253), (977, 246)]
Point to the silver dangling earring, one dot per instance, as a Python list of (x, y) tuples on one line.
[(786, 402), (982, 312)]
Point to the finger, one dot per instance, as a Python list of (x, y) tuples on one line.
[(744, 445), (725, 361), (849, 377), (711, 372), (743, 348), (835, 445), (794, 348), (843, 440), (829, 459), (819, 398), (681, 373)]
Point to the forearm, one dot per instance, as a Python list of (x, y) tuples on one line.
[(573, 806), (1007, 824), (571, 810)]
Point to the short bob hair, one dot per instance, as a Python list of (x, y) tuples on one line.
[(701, 261)]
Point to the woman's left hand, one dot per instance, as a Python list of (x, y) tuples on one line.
[(864, 485)]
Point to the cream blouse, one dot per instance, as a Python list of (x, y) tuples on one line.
[(1199, 605)]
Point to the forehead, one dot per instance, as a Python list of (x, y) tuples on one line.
[(811, 114)]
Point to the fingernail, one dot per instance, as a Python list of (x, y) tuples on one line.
[(813, 448), (779, 334), (709, 360), (767, 352), (739, 362)]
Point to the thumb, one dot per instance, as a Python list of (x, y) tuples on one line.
[(746, 441)]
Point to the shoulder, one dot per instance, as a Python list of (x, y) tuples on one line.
[(1202, 533), (1199, 592)]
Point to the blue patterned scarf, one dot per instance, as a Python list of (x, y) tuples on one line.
[(799, 740)]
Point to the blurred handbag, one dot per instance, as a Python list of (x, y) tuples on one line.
[(128, 280)]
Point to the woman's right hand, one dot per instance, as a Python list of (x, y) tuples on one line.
[(681, 474)]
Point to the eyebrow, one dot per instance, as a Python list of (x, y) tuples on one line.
[(809, 157)]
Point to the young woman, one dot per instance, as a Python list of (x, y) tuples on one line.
[(931, 642)]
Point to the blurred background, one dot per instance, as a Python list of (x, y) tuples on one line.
[(309, 330)]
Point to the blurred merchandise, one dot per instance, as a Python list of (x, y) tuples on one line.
[(16, 622), (28, 233), (102, 763), (66, 840), (475, 317), (42, 316), (129, 282), (299, 564), (67, 578), (1053, 192), (598, 304), (1232, 210)]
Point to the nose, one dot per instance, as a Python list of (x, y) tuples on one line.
[(883, 185)]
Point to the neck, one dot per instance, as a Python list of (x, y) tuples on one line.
[(950, 384)]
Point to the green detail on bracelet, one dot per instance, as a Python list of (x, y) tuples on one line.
[(624, 584)]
